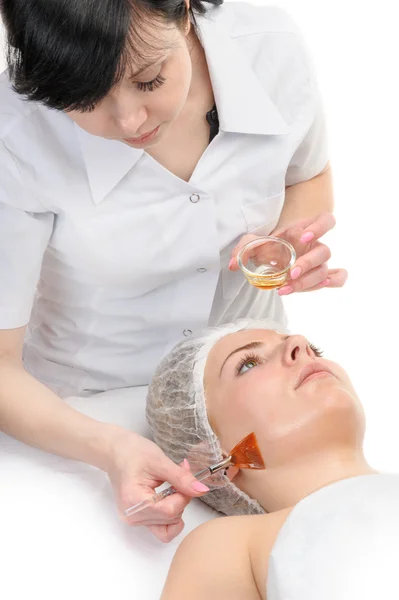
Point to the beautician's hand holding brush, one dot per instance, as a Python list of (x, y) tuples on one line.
[(245, 455)]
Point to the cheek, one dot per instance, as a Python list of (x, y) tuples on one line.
[(166, 105), (173, 95), (314, 421), (251, 404), (226, 419), (94, 123)]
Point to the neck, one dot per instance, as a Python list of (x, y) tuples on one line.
[(284, 486)]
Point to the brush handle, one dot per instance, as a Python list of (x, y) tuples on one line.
[(133, 510)]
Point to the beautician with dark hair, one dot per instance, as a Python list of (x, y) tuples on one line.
[(142, 142)]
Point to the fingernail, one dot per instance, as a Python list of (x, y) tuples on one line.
[(307, 237), (231, 263), (186, 464), (284, 291), (200, 487), (296, 272)]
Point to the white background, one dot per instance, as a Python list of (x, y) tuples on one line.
[(355, 50)]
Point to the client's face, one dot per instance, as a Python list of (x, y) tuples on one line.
[(278, 386)]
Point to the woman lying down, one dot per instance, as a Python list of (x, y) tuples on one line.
[(318, 523)]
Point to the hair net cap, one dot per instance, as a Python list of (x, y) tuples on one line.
[(177, 415)]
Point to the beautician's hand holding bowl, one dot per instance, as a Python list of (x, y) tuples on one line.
[(310, 271), (136, 466)]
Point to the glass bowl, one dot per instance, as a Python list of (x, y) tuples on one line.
[(266, 262)]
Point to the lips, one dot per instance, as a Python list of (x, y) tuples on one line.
[(144, 137), (309, 370)]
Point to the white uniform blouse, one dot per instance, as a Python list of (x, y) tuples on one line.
[(108, 256)]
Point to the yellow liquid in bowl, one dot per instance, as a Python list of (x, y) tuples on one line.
[(267, 280)]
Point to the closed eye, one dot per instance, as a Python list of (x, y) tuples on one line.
[(150, 86)]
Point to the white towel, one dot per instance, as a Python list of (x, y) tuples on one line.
[(340, 543)]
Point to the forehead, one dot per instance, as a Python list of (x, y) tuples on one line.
[(241, 338), (230, 342), (149, 42)]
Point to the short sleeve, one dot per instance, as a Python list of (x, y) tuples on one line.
[(25, 229), (312, 154)]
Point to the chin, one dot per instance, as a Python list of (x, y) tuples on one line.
[(343, 409), (153, 142)]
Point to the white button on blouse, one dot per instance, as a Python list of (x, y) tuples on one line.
[(99, 248)]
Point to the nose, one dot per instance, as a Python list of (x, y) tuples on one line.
[(296, 348), (130, 118)]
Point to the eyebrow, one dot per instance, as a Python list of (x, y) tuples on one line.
[(158, 61), (140, 71), (250, 346)]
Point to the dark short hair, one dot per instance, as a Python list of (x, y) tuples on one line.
[(68, 54)]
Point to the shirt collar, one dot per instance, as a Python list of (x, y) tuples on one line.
[(107, 162), (243, 107), (243, 104)]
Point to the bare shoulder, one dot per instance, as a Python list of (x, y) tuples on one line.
[(213, 562), (226, 557)]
